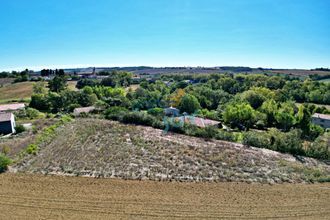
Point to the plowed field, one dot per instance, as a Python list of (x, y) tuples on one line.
[(55, 197)]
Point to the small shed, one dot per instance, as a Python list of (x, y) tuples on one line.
[(172, 111), (321, 119), (7, 123)]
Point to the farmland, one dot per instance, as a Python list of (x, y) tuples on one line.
[(55, 197)]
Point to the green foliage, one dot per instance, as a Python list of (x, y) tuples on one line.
[(29, 113), (115, 78), (239, 115), (40, 102), (87, 82), (32, 149), (157, 112), (289, 142), (320, 148), (4, 162), (256, 139), (285, 116), (141, 118), (58, 83), (39, 88), (189, 104), (19, 129), (115, 113)]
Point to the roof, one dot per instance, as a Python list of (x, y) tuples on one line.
[(83, 110), (5, 117), (321, 116), (12, 107), (200, 122)]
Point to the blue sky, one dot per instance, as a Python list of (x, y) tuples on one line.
[(74, 33)]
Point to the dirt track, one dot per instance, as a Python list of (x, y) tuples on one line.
[(43, 197)]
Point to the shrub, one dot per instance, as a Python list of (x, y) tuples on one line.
[(256, 139), (289, 142), (29, 113), (315, 131), (157, 112), (19, 129), (140, 118), (32, 149), (4, 162), (115, 113), (225, 135), (320, 147)]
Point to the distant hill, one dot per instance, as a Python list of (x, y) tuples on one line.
[(146, 70)]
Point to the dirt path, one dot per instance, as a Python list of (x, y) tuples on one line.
[(43, 197)]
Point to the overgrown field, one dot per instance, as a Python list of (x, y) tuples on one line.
[(101, 148), (45, 197)]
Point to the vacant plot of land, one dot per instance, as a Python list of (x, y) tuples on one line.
[(101, 148), (55, 197), (21, 90), (4, 81)]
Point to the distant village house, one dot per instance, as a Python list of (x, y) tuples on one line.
[(7, 123), (321, 119)]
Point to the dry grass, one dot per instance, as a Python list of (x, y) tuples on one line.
[(54, 197), (92, 147), (4, 81), (21, 90)]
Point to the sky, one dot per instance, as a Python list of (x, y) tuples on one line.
[(38, 34)]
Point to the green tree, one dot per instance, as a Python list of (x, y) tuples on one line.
[(239, 115), (269, 107), (285, 116), (58, 83), (39, 88), (189, 104)]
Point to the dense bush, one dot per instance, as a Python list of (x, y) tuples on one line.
[(157, 112), (320, 148), (4, 162), (115, 113), (29, 113), (256, 139), (141, 118), (19, 129), (289, 142)]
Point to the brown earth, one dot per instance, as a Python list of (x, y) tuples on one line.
[(25, 196)]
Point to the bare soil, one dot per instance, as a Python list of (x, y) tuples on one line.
[(54, 197)]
